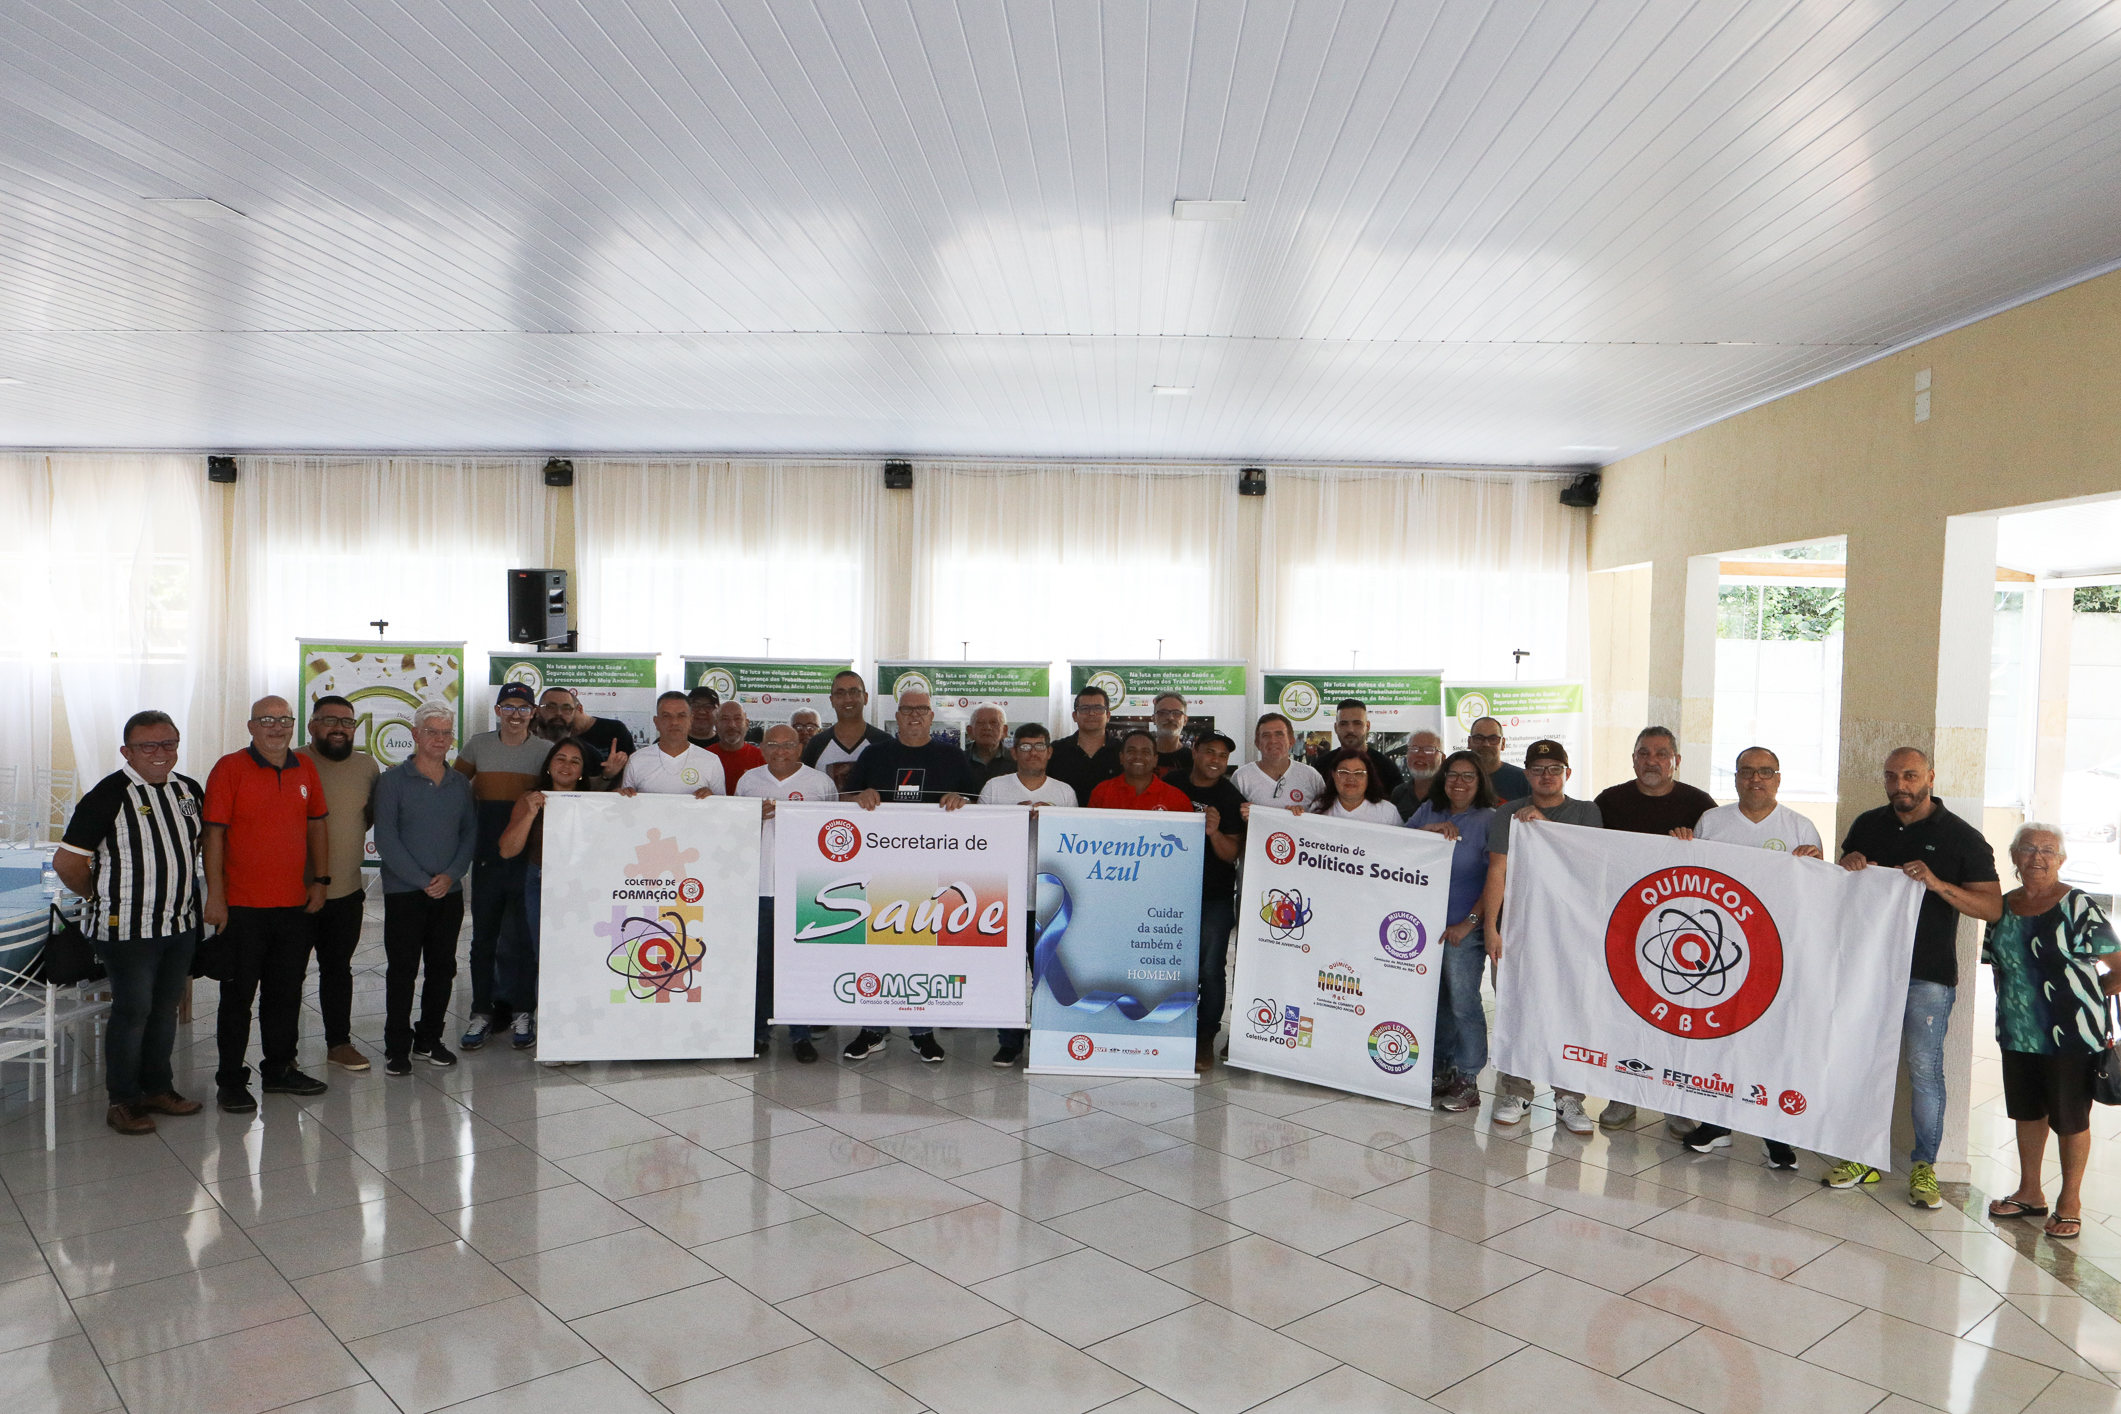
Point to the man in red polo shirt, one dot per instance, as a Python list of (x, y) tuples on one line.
[(1137, 786), (266, 873)]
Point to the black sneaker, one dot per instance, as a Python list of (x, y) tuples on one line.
[(925, 1045), (293, 1082), (805, 1053), (1705, 1138), (1780, 1156), (235, 1099), (1007, 1057), (436, 1054), (397, 1065), (866, 1043)]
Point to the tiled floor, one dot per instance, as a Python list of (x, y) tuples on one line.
[(900, 1236)]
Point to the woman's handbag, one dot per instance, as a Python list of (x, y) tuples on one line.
[(2106, 1066), (68, 956)]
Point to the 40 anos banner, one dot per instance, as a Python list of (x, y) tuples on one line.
[(1528, 711), (772, 690), (905, 915), (384, 681), (1116, 969), (1739, 986), (616, 685), (1214, 693), (1340, 955), (1400, 704), (1022, 690), (648, 936)]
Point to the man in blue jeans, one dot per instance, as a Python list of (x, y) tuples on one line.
[(131, 851), (1917, 835)]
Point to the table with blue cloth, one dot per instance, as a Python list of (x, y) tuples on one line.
[(25, 908)]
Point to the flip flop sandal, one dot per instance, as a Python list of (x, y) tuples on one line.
[(2056, 1223), (2012, 1208)]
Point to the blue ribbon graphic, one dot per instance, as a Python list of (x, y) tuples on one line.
[(1046, 966)]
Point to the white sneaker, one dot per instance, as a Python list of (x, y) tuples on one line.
[(1510, 1110), (1572, 1116)]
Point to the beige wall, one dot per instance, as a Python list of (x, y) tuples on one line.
[(1619, 674)]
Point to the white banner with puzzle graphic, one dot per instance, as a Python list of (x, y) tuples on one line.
[(905, 915), (649, 937), (1743, 987), (1340, 941)]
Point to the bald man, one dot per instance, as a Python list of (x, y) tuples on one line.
[(267, 870)]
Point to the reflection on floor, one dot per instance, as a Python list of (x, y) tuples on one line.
[(902, 1236)]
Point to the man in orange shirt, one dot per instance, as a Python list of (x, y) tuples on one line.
[(1137, 786), (266, 873)]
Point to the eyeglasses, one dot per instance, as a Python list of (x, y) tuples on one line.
[(2043, 852), (1464, 777), (1545, 773), (1761, 772), (1040, 744), (1486, 738), (515, 709), (343, 723), (916, 711), (1357, 774), (154, 748), (272, 721), (1092, 709)]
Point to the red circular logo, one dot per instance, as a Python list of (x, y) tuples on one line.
[(690, 890), (1792, 1102), (1081, 1047), (1296, 795), (1280, 848), (839, 841), (868, 984), (1694, 953)]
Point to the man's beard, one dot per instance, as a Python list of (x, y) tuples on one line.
[(552, 731), (324, 748), (1421, 779)]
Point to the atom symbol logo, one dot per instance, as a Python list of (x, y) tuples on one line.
[(839, 841), (1081, 1047), (1280, 848), (1285, 913), (1402, 935), (1694, 953), (691, 891), (656, 957)]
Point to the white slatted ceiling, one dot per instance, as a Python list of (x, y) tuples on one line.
[(1473, 233)]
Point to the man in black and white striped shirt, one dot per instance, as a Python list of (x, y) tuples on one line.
[(132, 850)]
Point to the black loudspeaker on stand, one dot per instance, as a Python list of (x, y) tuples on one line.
[(537, 606)]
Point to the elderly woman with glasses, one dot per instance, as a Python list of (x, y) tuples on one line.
[(2049, 951)]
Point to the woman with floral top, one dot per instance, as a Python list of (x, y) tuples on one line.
[(2049, 950)]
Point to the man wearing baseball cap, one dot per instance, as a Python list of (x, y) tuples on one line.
[(1546, 765), (502, 764)]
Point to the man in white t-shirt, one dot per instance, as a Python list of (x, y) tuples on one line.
[(673, 766), (1275, 779), (1028, 785), (1757, 822), (783, 777)]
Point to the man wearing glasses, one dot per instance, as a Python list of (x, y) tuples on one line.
[(502, 764), (1547, 766), (1088, 757), (267, 867), (1484, 739), (1173, 757), (349, 778), (1027, 785), (783, 776), (132, 851)]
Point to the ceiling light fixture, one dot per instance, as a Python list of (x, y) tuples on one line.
[(1163, 390), (1207, 210), (198, 208)]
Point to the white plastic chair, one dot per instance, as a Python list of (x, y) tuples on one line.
[(36, 1015)]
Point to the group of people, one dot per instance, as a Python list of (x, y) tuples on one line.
[(269, 854)]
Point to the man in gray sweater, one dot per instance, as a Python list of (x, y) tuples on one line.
[(427, 828)]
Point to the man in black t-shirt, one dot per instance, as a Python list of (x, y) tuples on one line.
[(1916, 834), (1207, 784), (1656, 802), (561, 715), (1173, 757), (1089, 756), (915, 766), (1351, 728)]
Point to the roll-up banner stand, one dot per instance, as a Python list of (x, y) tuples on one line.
[(620, 686), (1024, 692), (1116, 968), (648, 930), (1400, 704), (772, 690), (1214, 693), (1528, 711), (385, 682)]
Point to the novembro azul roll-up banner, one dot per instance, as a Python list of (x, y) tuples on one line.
[(1116, 965), (1340, 954)]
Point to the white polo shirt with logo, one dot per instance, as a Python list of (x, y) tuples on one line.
[(654, 771), (1300, 786), (1783, 829), (759, 783)]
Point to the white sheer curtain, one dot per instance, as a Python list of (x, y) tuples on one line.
[(1079, 561), (125, 557), (25, 638), (1422, 569), (756, 559), (317, 547)]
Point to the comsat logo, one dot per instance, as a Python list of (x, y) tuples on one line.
[(899, 988)]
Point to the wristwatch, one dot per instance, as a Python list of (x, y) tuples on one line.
[(321, 879)]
